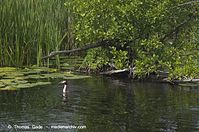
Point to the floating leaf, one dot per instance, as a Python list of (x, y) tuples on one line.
[(2, 85), (54, 75), (43, 69), (4, 69), (14, 79), (37, 76), (30, 85), (76, 77), (8, 81), (8, 88), (21, 81)]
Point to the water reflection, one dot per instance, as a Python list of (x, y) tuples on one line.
[(65, 97), (104, 105)]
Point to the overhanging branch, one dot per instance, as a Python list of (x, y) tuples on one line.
[(181, 25), (188, 3), (88, 46)]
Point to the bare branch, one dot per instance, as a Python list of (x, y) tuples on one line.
[(188, 3), (176, 28), (88, 46)]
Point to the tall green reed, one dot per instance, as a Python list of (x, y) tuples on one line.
[(30, 29)]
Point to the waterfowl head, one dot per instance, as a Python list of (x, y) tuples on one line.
[(65, 82)]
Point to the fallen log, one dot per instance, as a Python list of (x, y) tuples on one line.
[(114, 72), (181, 82), (196, 80)]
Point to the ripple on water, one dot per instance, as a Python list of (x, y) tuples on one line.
[(104, 104), (194, 108)]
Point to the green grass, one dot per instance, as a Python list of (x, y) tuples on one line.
[(31, 29)]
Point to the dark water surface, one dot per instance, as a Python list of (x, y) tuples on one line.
[(101, 105)]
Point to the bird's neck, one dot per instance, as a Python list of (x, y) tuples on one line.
[(65, 88)]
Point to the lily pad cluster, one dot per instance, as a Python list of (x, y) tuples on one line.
[(16, 78)]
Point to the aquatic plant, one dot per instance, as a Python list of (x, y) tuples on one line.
[(16, 78), (29, 29)]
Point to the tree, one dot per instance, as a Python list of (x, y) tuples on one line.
[(157, 35)]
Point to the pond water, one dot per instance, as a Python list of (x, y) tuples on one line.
[(101, 104)]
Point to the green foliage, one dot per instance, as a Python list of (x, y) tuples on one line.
[(185, 67), (119, 58), (149, 57), (96, 59), (99, 58), (162, 34), (154, 56)]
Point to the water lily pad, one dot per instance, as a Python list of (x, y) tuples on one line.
[(8, 88), (8, 81), (12, 75), (2, 85), (21, 78), (54, 75), (76, 77), (29, 71), (42, 83), (43, 69), (4, 69), (36, 76), (14, 78), (2, 74), (21, 81), (29, 85), (25, 85)]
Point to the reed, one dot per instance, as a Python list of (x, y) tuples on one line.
[(30, 29)]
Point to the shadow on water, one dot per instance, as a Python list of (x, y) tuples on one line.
[(102, 104)]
